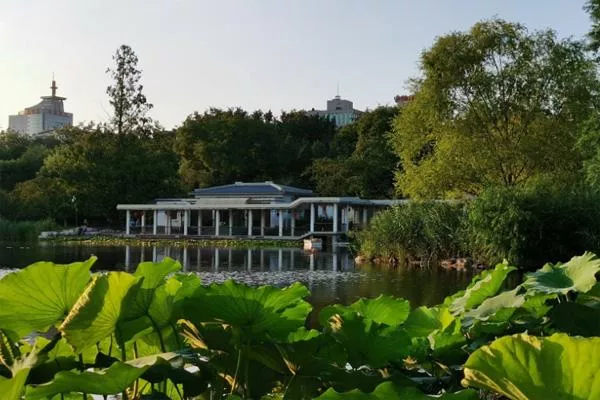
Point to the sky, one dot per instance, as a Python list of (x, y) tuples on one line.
[(254, 54)]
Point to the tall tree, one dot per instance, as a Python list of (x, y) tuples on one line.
[(593, 8), (362, 162), (496, 105), (130, 105)]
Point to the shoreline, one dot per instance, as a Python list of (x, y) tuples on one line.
[(174, 242)]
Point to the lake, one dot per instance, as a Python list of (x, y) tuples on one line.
[(332, 277)]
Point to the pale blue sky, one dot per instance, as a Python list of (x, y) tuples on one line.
[(256, 54)]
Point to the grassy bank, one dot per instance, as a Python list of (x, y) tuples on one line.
[(178, 242), (24, 230)]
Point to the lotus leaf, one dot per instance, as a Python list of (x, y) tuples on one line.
[(576, 319), (12, 389), (591, 298), (383, 310), (37, 297), (495, 312), (577, 275), (391, 391), (483, 286), (423, 321), (258, 313), (96, 313), (367, 342), (113, 380), (523, 367)]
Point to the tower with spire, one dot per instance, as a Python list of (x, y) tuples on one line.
[(42, 118), (338, 110)]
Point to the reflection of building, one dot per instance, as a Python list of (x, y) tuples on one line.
[(338, 110), (44, 117)]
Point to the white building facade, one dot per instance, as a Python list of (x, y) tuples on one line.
[(42, 118), (338, 110)]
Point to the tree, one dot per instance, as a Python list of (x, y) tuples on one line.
[(496, 105), (129, 103), (363, 162), (593, 8)]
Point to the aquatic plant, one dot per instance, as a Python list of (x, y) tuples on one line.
[(157, 333)]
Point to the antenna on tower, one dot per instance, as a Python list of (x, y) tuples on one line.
[(338, 91), (53, 87)]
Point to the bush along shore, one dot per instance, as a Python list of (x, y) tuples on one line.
[(526, 226), (19, 231), (68, 333), (171, 242)]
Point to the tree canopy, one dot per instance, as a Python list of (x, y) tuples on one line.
[(496, 105)]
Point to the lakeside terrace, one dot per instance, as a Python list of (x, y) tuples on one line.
[(259, 210)]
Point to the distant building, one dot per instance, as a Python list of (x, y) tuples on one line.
[(44, 117), (338, 110), (403, 100)]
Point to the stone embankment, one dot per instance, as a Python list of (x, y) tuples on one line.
[(459, 264)]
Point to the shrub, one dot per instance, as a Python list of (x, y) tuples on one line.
[(417, 230), (24, 230), (533, 225)]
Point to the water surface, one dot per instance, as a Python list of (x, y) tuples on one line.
[(331, 277)]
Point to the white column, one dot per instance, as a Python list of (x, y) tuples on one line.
[(335, 217), (155, 222), (280, 222), (216, 260), (365, 215), (127, 219), (250, 222), (168, 223), (185, 222), (292, 222), (217, 222), (312, 217), (185, 259), (127, 257), (154, 254), (334, 262), (199, 222), (262, 222), (230, 222), (249, 257), (143, 222)]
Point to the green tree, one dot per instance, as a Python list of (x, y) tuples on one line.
[(593, 8), (222, 146), (362, 162), (130, 105), (496, 105)]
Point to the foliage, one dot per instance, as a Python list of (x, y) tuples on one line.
[(160, 333), (125, 94), (528, 226), (593, 8), (524, 367), (363, 162), (496, 105), (223, 146), (17, 231), (415, 230)]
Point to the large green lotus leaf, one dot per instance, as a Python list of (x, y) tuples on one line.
[(113, 380), (12, 389), (367, 342), (591, 298), (383, 310), (483, 286), (37, 297), (96, 313), (152, 275), (577, 275), (523, 367), (495, 310), (423, 321), (259, 313), (575, 319), (391, 391)]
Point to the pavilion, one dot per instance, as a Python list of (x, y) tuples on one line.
[(260, 210)]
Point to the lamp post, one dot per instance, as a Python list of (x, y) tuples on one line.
[(74, 202)]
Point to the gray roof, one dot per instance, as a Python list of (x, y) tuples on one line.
[(249, 189)]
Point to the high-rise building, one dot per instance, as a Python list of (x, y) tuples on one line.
[(44, 117), (340, 111)]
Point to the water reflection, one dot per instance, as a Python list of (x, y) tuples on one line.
[(331, 277)]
